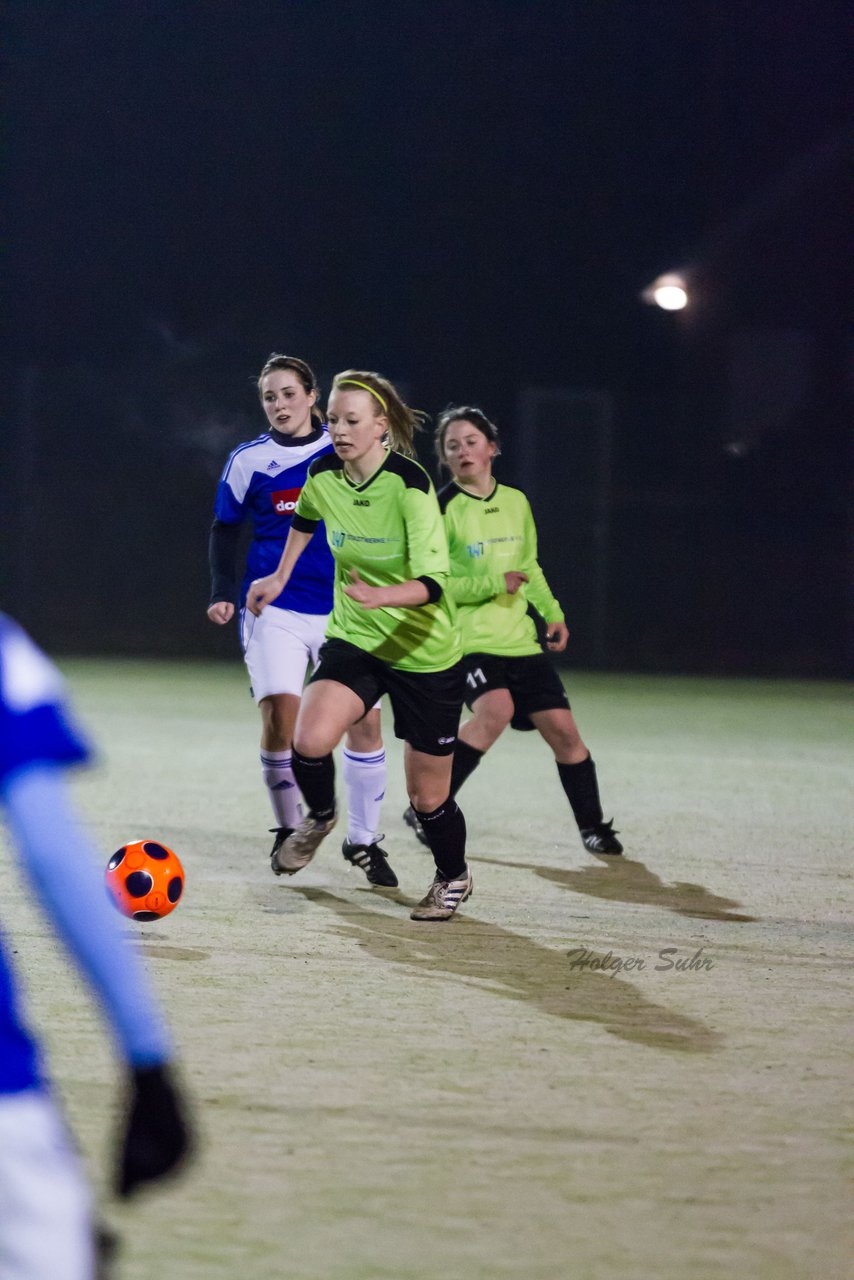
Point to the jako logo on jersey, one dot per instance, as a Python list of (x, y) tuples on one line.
[(488, 511), (285, 500), (361, 502)]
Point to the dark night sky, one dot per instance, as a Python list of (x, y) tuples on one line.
[(467, 196), (416, 186)]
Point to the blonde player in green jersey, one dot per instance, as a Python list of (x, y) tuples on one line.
[(495, 579), (391, 629)]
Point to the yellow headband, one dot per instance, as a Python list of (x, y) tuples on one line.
[(355, 382)]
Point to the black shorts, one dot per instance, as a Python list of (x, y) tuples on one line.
[(426, 704), (532, 682)]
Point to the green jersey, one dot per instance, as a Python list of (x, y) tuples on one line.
[(390, 529), (487, 537)]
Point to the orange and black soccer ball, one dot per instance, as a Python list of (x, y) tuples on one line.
[(145, 880)]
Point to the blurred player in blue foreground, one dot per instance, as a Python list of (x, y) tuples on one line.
[(495, 581), (262, 481), (46, 1227)]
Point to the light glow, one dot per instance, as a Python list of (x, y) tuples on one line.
[(671, 297), (669, 292)]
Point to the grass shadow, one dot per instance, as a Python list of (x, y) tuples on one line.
[(514, 967), (623, 880)]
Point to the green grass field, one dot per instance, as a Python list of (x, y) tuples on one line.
[(385, 1100)]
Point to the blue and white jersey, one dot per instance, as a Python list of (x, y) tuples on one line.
[(262, 481), (35, 724), (35, 728), (37, 734)]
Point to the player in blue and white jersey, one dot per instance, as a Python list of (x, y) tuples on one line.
[(46, 1227), (261, 483)]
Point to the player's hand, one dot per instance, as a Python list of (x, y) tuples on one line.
[(262, 592), (368, 597), (557, 635), (157, 1135), (514, 580), (221, 612)]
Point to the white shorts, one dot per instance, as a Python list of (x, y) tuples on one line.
[(278, 647), (45, 1204)]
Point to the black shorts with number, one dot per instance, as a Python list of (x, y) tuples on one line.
[(426, 704), (532, 682)]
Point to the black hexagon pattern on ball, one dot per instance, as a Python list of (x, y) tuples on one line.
[(139, 883)]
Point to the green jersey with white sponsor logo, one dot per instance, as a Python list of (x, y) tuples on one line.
[(389, 528), (488, 537)]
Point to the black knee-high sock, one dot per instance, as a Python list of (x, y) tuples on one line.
[(582, 792), (315, 776), (466, 760), (445, 829)]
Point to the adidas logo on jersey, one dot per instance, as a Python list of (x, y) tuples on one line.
[(274, 466), (285, 501)]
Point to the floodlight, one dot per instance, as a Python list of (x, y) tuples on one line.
[(669, 292)]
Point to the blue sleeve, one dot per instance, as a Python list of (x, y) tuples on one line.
[(36, 724), (42, 734), (72, 894), (227, 508)]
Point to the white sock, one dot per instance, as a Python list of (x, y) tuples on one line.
[(282, 787), (364, 777)]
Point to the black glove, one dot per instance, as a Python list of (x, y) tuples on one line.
[(157, 1134)]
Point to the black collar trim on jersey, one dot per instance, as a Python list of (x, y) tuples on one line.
[(370, 480), (291, 442), (487, 497)]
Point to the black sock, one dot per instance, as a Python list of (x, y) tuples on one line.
[(315, 776), (582, 792), (445, 829), (466, 760)]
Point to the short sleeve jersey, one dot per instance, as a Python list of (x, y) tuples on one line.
[(261, 482), (488, 537), (35, 724), (35, 728), (389, 528)]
